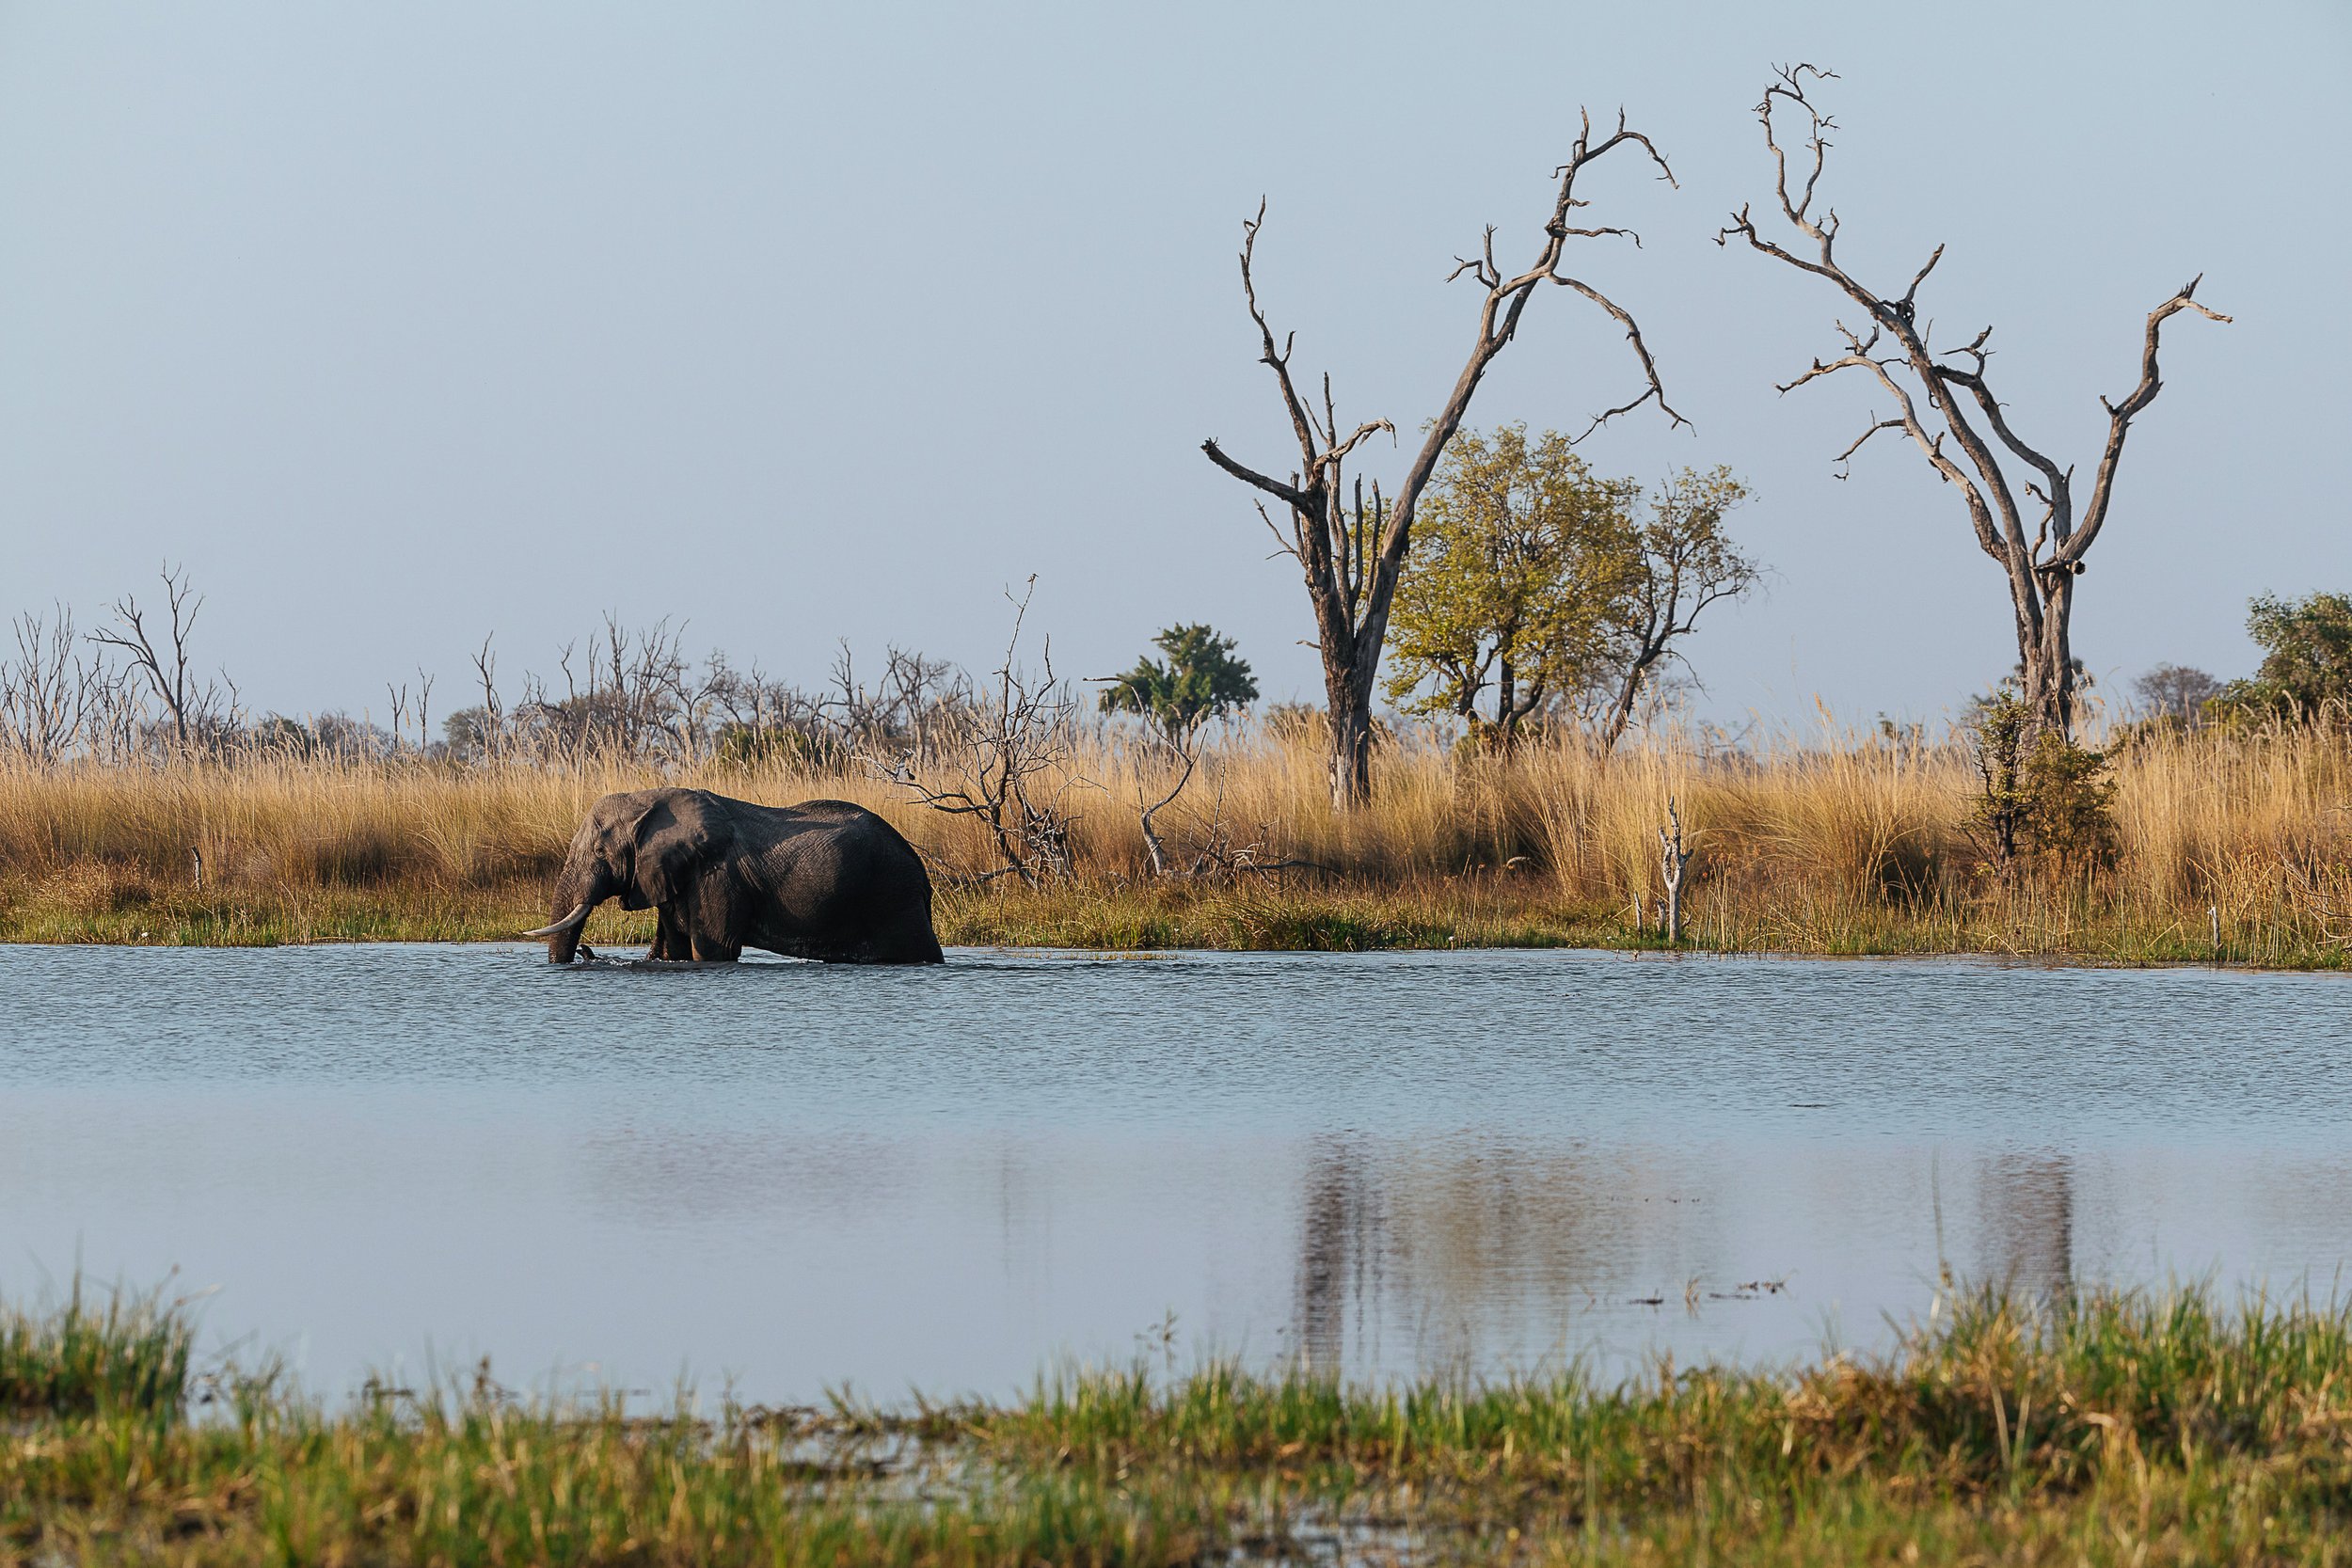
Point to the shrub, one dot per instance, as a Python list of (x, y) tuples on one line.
[(2041, 798)]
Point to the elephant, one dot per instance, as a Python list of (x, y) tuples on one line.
[(824, 880)]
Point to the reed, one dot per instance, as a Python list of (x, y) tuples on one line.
[(129, 1356), (2109, 1427), (1829, 844)]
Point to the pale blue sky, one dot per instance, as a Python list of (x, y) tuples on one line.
[(401, 323)]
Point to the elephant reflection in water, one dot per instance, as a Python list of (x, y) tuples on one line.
[(823, 879)]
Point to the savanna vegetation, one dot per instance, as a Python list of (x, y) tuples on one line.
[(2105, 1428), (1514, 802), (138, 805), (2172, 844)]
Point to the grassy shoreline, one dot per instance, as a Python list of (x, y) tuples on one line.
[(1243, 918), (2125, 1428), (1846, 847)]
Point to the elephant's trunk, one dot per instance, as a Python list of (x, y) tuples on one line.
[(563, 933)]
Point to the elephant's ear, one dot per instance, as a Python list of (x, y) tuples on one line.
[(676, 838)]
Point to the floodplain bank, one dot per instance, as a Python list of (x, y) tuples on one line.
[(2230, 846)]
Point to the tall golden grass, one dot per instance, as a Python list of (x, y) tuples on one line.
[(1840, 842)]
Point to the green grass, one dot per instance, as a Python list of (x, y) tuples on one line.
[(1299, 914), (1485, 911), (129, 1357), (2123, 1428)]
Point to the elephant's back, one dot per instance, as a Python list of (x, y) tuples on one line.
[(854, 840), (843, 873), (848, 817), (846, 811)]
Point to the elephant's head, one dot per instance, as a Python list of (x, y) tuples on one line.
[(643, 849)]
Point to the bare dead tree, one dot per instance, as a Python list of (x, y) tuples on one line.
[(623, 713), (1893, 346), (168, 672), (1351, 548), (1006, 754), (114, 713), (228, 718), (646, 677), (898, 713), (1215, 853), (398, 696), (493, 726), (47, 691), (642, 699), (424, 711), (1673, 860), (1182, 746)]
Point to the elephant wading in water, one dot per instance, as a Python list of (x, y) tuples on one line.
[(822, 879)]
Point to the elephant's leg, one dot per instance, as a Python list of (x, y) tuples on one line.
[(713, 926), (670, 940), (709, 950)]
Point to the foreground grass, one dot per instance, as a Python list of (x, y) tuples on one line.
[(2110, 1429), (1850, 846)]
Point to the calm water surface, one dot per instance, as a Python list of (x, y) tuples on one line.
[(799, 1175)]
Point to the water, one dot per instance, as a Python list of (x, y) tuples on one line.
[(795, 1176)]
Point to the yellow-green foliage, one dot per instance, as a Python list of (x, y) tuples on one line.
[(1522, 561), (1845, 845)]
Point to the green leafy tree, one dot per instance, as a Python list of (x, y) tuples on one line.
[(2307, 657), (1537, 588), (1200, 681), (1683, 561), (1515, 587)]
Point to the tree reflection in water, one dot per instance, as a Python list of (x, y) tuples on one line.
[(2026, 1220), (1434, 1252), (1459, 1249)]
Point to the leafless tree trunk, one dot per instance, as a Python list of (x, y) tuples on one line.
[(1351, 548), (1673, 859), (899, 711), (424, 711), (1897, 351), (398, 697), (1185, 750)]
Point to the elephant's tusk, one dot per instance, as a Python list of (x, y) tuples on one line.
[(571, 922)]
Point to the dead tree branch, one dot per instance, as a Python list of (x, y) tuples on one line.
[(2039, 568), (1005, 758), (1351, 548), (48, 694), (167, 671)]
